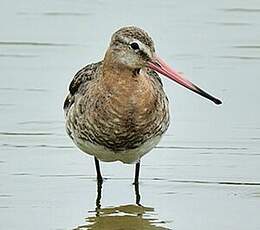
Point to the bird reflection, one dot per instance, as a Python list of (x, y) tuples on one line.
[(99, 194), (123, 217)]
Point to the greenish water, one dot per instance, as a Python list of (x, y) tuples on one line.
[(205, 172)]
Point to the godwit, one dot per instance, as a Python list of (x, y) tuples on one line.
[(116, 109)]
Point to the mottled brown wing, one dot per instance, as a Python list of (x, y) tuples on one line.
[(83, 76)]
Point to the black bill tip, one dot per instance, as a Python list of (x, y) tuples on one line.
[(206, 95), (217, 101)]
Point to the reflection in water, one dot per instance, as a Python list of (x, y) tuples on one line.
[(99, 192), (99, 195), (123, 217)]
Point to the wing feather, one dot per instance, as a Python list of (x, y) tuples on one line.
[(82, 77)]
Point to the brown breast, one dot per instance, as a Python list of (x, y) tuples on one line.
[(121, 110)]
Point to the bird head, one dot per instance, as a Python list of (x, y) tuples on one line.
[(132, 48)]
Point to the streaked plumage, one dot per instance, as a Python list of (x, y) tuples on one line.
[(116, 109), (120, 116)]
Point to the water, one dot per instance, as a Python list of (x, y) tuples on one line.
[(204, 173)]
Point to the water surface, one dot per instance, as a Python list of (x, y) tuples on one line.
[(205, 172)]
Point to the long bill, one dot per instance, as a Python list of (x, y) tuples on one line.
[(162, 67)]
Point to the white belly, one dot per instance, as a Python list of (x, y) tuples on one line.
[(127, 156)]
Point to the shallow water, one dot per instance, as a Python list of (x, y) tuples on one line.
[(205, 172)]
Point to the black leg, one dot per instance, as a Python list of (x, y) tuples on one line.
[(137, 194), (137, 170), (99, 176)]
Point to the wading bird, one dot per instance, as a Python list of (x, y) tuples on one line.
[(116, 109)]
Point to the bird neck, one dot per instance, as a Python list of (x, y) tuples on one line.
[(115, 73)]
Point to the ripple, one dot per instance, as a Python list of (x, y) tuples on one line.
[(6, 105), (231, 23), (255, 139), (247, 46), (21, 174), (244, 10), (63, 175), (201, 148), (35, 90), (66, 14), (24, 89), (246, 128), (161, 179), (231, 154), (8, 89), (18, 56), (56, 13), (24, 134), (5, 195), (38, 146), (29, 43), (237, 183), (40, 122), (240, 57)]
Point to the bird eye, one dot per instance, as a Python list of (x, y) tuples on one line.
[(134, 46)]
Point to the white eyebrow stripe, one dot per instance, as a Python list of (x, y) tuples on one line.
[(143, 47)]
